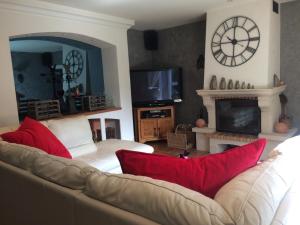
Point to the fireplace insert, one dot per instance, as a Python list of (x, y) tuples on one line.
[(241, 116)]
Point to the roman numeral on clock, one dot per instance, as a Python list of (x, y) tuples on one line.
[(251, 29), (217, 53), (224, 59), (233, 61), (235, 22), (243, 58), (225, 26), (216, 44), (254, 39), (251, 50)]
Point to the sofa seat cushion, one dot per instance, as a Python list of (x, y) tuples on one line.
[(33, 133), (75, 133), (159, 201), (105, 158)]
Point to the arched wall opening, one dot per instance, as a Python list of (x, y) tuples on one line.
[(39, 43), (36, 18)]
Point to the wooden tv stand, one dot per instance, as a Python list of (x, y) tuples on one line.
[(153, 123)]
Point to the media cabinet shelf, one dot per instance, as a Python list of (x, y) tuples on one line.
[(153, 123)]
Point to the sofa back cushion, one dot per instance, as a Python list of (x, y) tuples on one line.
[(68, 173), (159, 201), (254, 196), (75, 133), (21, 156)]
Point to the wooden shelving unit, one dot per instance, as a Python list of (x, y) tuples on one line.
[(151, 128)]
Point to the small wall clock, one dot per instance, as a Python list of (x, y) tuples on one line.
[(74, 61), (235, 41)]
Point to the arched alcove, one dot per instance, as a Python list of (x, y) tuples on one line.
[(110, 72), (34, 18)]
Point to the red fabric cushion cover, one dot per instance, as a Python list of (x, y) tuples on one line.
[(33, 133), (205, 174)]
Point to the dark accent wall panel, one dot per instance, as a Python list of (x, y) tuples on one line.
[(178, 47), (290, 56)]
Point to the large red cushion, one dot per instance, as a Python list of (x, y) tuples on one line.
[(205, 174), (33, 133)]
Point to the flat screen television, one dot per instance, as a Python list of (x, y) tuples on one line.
[(156, 87)]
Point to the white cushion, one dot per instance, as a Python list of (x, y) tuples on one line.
[(105, 158), (159, 201), (66, 172), (75, 133), (19, 155), (288, 211), (253, 197)]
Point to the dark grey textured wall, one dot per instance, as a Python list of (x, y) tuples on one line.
[(290, 56), (178, 47), (181, 47), (139, 57)]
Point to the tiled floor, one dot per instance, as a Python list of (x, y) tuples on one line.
[(161, 147)]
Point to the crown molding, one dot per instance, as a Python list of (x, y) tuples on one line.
[(35, 7)]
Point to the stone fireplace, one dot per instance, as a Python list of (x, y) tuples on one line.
[(237, 117)]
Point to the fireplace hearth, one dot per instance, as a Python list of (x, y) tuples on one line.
[(241, 116)]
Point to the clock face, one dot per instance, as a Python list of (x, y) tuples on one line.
[(74, 61), (235, 41)]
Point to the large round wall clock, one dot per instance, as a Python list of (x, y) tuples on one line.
[(74, 61), (235, 41)]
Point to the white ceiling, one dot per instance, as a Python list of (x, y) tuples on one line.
[(149, 14)]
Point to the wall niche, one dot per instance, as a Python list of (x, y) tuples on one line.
[(57, 69)]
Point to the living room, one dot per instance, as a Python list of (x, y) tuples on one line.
[(102, 77)]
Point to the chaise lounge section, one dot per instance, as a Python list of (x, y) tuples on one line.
[(75, 134)]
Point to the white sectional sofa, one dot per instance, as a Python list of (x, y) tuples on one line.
[(75, 133), (37, 188)]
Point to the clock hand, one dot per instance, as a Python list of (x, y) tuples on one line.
[(228, 42), (233, 51), (234, 29), (229, 38)]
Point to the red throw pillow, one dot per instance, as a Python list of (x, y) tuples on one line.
[(33, 133), (205, 174)]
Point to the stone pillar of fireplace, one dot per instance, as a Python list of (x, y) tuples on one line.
[(269, 104)]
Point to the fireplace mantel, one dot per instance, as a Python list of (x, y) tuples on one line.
[(242, 92), (268, 102)]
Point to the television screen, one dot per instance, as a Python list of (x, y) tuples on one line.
[(155, 87)]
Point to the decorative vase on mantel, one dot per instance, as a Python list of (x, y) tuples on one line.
[(230, 85), (213, 83), (223, 84)]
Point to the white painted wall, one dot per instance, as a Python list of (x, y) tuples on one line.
[(274, 48), (259, 70), (18, 18)]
